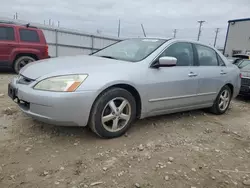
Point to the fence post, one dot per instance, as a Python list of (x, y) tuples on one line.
[(92, 43), (56, 42)]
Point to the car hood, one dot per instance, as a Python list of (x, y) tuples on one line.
[(83, 64)]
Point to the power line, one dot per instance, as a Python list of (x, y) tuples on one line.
[(216, 35), (199, 33)]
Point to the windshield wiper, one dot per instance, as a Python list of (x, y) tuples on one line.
[(106, 56)]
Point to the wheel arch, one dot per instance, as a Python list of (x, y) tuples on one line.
[(231, 88), (130, 89), (34, 56)]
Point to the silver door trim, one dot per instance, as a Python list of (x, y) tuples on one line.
[(181, 97), (209, 93)]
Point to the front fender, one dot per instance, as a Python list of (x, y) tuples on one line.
[(117, 82)]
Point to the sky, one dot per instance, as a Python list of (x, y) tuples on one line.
[(159, 17)]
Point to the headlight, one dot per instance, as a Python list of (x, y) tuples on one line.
[(67, 83)]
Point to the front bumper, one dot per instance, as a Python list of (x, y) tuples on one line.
[(59, 108)]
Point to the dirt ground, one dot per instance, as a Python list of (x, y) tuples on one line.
[(191, 149)]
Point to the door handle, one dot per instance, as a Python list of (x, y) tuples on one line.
[(191, 74), (222, 72)]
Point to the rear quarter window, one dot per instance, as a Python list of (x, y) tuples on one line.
[(27, 35)]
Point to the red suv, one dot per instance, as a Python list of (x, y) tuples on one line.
[(20, 45)]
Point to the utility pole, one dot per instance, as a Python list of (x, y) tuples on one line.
[(175, 31), (143, 30), (199, 33), (119, 27), (98, 31), (216, 35)]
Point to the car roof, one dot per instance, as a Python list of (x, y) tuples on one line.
[(173, 39), (159, 38), (18, 25)]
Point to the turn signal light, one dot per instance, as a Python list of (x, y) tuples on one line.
[(47, 51), (74, 86)]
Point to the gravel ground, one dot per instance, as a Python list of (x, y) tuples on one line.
[(191, 149)]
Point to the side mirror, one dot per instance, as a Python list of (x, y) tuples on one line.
[(165, 62)]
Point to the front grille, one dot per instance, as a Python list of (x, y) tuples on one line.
[(245, 81), (24, 80)]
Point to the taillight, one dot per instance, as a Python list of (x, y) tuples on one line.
[(240, 75), (47, 51)]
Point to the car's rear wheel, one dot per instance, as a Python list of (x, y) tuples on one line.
[(222, 101), (21, 62), (112, 113)]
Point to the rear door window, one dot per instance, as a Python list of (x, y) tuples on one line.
[(206, 56), (7, 33), (27, 35)]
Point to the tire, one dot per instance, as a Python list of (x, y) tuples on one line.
[(217, 108), (119, 121), (21, 62)]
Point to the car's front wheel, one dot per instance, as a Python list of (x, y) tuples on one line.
[(112, 113), (222, 101)]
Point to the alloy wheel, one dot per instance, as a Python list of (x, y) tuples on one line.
[(224, 100), (24, 62), (116, 114)]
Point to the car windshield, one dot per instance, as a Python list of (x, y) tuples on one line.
[(237, 62), (245, 64), (131, 50)]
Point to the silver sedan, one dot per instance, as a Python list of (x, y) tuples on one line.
[(134, 78)]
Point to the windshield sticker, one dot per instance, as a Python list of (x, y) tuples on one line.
[(150, 40)]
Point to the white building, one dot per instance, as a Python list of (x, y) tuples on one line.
[(238, 37)]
